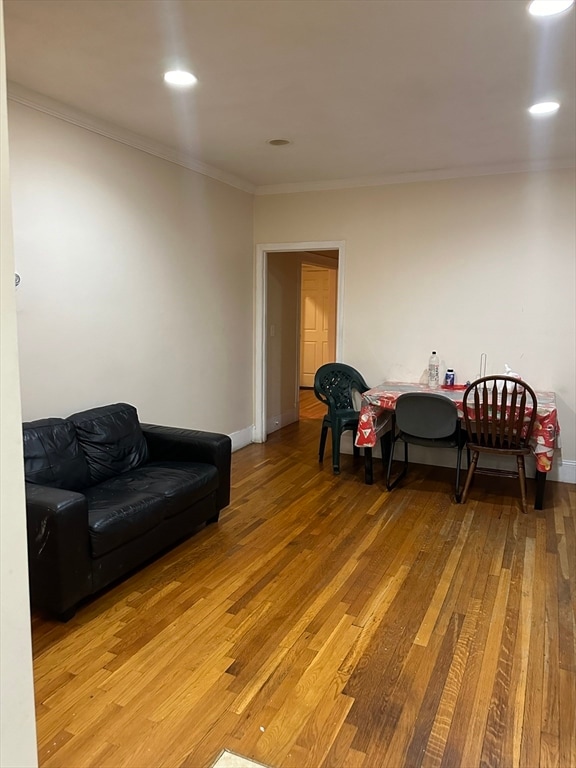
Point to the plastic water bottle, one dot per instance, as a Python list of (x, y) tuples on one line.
[(434, 371)]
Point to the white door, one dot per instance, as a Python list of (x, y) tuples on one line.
[(318, 321)]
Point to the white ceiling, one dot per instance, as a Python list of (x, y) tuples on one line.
[(367, 90)]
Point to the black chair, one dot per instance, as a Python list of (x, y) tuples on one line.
[(334, 385), (430, 420), (500, 412)]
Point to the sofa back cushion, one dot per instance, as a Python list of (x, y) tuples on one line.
[(52, 455), (111, 439)]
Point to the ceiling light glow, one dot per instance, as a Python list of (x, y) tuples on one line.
[(180, 77), (549, 7), (544, 108)]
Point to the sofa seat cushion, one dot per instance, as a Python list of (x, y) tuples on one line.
[(179, 484), (117, 515)]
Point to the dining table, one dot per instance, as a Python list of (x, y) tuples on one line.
[(378, 404)]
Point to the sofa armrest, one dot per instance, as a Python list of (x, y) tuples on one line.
[(59, 557), (176, 444)]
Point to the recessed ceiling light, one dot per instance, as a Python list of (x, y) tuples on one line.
[(549, 7), (544, 108), (180, 77), (278, 142)]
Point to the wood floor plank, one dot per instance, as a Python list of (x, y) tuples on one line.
[(375, 676), (523, 636), (319, 733), (319, 680), (324, 623), (496, 749), (440, 728), (550, 706), (484, 698), (52, 746), (430, 698), (567, 743), (207, 748), (549, 751), (484, 591), (341, 753), (397, 728), (530, 751), (429, 621)]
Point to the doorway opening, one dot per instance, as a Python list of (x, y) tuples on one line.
[(318, 306), (294, 329)]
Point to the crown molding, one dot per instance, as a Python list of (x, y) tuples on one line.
[(61, 111), (41, 103), (407, 178)]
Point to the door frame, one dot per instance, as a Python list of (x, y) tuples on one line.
[(260, 319)]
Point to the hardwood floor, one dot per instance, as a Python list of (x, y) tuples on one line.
[(329, 624)]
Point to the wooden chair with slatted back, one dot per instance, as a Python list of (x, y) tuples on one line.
[(499, 412)]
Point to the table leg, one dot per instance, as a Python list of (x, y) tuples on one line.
[(540, 485), (385, 446), (368, 467)]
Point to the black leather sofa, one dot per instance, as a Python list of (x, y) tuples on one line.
[(104, 494)]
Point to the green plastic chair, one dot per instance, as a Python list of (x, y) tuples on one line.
[(334, 385)]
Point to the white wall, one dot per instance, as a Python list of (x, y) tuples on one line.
[(17, 726), (463, 266), (137, 280)]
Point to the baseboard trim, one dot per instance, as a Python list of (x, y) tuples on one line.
[(563, 470), (275, 423), (242, 438)]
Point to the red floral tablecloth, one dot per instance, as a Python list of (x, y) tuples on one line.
[(377, 404)]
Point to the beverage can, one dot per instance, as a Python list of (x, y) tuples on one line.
[(450, 378)]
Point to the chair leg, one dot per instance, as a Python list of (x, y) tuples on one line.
[(336, 448), (389, 467), (471, 470), (458, 463), (323, 435), (389, 485), (522, 478), (385, 446)]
